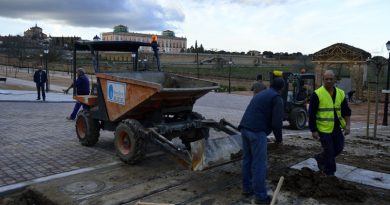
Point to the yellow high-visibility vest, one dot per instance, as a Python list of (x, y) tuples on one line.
[(325, 114)]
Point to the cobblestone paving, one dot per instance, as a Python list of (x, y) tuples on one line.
[(37, 141)]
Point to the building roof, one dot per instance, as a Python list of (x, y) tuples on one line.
[(341, 53)]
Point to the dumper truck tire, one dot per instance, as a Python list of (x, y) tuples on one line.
[(298, 118), (87, 129), (129, 142)]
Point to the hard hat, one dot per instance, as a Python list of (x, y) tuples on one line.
[(278, 73)]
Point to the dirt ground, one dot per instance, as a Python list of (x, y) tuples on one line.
[(222, 185), (302, 187)]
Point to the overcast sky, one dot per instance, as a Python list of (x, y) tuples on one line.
[(234, 25)]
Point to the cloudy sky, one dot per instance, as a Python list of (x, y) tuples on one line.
[(234, 25)]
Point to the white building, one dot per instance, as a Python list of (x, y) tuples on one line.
[(168, 42)]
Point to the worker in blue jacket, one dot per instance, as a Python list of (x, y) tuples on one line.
[(263, 115), (329, 115), (82, 88)]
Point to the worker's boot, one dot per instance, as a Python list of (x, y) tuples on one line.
[(262, 201), (247, 194), (320, 164)]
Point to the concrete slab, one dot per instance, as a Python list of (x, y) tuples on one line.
[(371, 178), (352, 174)]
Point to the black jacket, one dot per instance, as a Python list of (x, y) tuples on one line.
[(265, 114), (40, 77)]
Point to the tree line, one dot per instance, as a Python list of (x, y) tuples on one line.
[(267, 54)]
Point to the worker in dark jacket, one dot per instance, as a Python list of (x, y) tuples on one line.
[(40, 79), (258, 85), (82, 88), (329, 114), (263, 115)]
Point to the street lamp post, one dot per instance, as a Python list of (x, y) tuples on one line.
[(230, 71), (386, 107), (46, 52), (133, 55), (197, 58), (41, 58)]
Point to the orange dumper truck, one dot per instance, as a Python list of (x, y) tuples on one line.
[(150, 106)]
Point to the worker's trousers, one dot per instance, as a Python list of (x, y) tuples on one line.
[(254, 163), (76, 109), (41, 87), (332, 145)]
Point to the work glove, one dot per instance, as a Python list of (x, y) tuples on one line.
[(315, 135), (347, 130)]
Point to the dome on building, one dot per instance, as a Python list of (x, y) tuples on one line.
[(120, 28), (168, 33)]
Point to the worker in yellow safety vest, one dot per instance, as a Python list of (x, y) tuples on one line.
[(329, 116)]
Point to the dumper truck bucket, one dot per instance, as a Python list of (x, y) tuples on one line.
[(209, 153), (216, 151)]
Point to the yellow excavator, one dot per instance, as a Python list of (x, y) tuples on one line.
[(295, 94)]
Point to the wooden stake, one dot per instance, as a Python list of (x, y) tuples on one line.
[(280, 183)]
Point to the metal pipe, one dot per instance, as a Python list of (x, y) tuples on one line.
[(386, 106), (376, 103), (368, 111), (47, 74), (74, 71)]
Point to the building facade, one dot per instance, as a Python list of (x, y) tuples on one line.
[(35, 33), (168, 42)]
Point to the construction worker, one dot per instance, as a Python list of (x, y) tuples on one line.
[(82, 88), (258, 85), (40, 78), (263, 115), (329, 114)]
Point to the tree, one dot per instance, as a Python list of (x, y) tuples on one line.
[(191, 49), (201, 49), (268, 54)]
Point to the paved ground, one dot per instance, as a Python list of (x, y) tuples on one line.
[(37, 142)]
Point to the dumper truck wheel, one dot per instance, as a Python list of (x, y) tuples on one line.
[(298, 118), (129, 143), (87, 129)]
